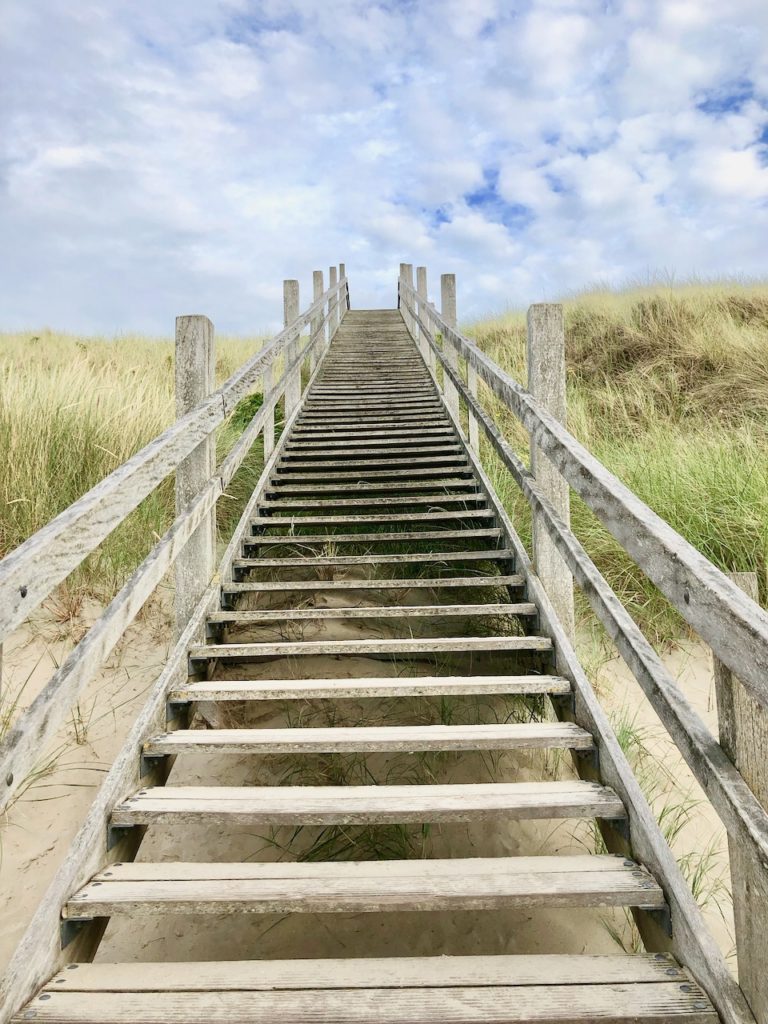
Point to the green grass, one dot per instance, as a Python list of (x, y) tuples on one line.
[(72, 410), (668, 387)]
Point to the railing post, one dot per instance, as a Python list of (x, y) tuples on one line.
[(195, 380), (267, 382), (290, 312), (333, 303), (343, 293), (448, 313), (317, 320), (546, 382), (421, 309), (743, 728)]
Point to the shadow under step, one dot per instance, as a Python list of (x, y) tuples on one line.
[(546, 989), (362, 805)]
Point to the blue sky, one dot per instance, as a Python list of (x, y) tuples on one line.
[(186, 156)]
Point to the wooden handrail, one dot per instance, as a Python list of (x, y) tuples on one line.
[(30, 572), (735, 803), (36, 727), (733, 625)]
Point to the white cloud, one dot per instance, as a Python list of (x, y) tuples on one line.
[(189, 155)]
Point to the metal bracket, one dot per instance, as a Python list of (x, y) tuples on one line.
[(176, 709), (70, 928), (565, 703), (116, 834), (591, 757), (149, 762), (662, 916)]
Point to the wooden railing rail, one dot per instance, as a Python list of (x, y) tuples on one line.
[(732, 625), (36, 727), (739, 803), (30, 572)]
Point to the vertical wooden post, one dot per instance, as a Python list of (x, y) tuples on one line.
[(448, 313), (195, 380), (408, 278), (546, 382), (333, 304), (290, 312), (343, 293), (743, 727), (317, 320), (267, 382), (423, 311)]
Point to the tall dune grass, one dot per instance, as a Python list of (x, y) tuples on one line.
[(668, 387), (71, 411)]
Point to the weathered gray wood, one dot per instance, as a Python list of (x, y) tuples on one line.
[(367, 739), (359, 805), (333, 309), (374, 886), (739, 810), (404, 536), (546, 382), (492, 555), (646, 1003), (372, 972), (195, 374), (374, 612), (317, 322), (693, 942), (290, 314), (743, 728), (39, 953), (26, 742), (417, 583), (733, 625), (291, 522), (399, 686), (387, 645), (448, 313), (269, 425)]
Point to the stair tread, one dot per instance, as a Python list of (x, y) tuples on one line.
[(300, 689), (492, 555), (361, 804), (515, 736), (526, 608), (360, 538), (417, 583), (370, 886), (394, 645)]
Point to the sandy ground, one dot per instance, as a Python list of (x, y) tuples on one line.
[(41, 824)]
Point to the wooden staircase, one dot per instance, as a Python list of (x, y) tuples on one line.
[(375, 520)]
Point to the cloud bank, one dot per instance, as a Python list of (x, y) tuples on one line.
[(187, 156)]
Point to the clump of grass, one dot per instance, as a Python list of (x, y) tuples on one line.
[(71, 411), (668, 388)]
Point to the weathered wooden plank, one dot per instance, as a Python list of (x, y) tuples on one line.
[(491, 555), (373, 612), (417, 583), (403, 536), (648, 1003), (291, 522), (399, 686), (371, 972), (328, 805), (368, 739), (462, 886), (422, 646)]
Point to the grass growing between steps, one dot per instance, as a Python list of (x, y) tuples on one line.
[(668, 387), (71, 411)]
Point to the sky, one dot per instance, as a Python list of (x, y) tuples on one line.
[(185, 156)]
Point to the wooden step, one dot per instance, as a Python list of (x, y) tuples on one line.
[(395, 487), (417, 583), (314, 450), (463, 498), (453, 459), (283, 476), (521, 608), (370, 739), (427, 557), (388, 646), (363, 805), (523, 989), (291, 522), (351, 887), (406, 536), (357, 689)]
